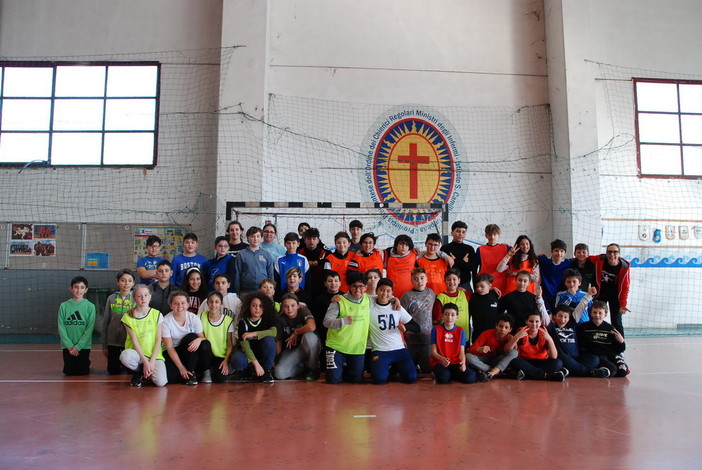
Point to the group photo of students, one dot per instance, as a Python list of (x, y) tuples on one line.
[(264, 309)]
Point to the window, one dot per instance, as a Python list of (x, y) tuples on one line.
[(87, 114), (668, 128)]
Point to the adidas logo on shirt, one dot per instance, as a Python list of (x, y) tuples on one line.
[(75, 319)]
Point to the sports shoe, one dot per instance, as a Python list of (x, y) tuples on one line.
[(557, 376), (483, 376), (622, 371), (601, 372), (566, 372), (267, 377), (312, 375), (520, 375), (137, 379), (207, 377), (192, 380)]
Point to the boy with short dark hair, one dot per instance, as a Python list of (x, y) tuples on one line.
[(355, 230), (482, 305), (434, 265), (189, 258), (601, 339), (419, 303), (573, 296), (222, 262), (162, 289), (146, 265), (252, 265), (448, 350), (488, 354), (315, 252), (347, 322), (551, 271), (291, 259), (463, 255), (293, 279), (562, 330), (76, 319), (488, 256)]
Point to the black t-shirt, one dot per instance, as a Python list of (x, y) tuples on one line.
[(609, 282)]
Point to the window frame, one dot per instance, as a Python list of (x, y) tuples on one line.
[(53, 98), (681, 145)]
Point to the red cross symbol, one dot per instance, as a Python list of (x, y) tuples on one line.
[(414, 161)]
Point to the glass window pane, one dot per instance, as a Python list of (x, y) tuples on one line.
[(660, 160), (691, 98), (22, 148), (26, 115), (28, 81), (80, 81), (78, 115), (659, 128), (76, 149), (130, 115), (657, 97), (129, 149), (691, 129), (132, 81), (692, 161)]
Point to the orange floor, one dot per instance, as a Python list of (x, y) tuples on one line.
[(651, 419)]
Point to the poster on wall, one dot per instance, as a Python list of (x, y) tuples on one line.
[(171, 240), (33, 240)]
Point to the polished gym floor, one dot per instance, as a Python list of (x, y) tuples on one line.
[(650, 419)]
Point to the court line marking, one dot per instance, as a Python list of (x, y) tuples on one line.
[(364, 416), (62, 381)]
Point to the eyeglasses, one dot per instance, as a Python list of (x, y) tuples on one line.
[(268, 231), (356, 286), (613, 252)]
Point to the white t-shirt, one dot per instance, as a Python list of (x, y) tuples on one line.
[(171, 328), (383, 333)]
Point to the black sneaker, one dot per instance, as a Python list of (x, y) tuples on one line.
[(601, 372), (565, 371), (312, 375), (557, 376), (483, 376), (192, 380), (520, 375), (267, 377), (137, 379)]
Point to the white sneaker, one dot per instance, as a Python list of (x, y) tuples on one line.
[(207, 377)]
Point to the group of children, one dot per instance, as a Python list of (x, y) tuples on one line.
[(452, 311)]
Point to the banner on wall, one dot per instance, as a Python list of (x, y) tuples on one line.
[(33, 240), (411, 155), (171, 240)]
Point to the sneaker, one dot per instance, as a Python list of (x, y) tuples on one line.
[(207, 377), (483, 376), (137, 379), (312, 375), (601, 372), (565, 371), (192, 380), (557, 376), (622, 371), (267, 377), (520, 375)]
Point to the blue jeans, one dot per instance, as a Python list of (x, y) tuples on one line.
[(263, 349), (444, 375), (381, 361), (346, 367)]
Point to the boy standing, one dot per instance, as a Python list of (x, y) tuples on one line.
[(462, 254), (189, 258), (348, 322), (222, 262), (573, 296), (552, 271), (355, 230), (315, 253), (482, 305), (434, 265), (419, 303), (146, 265), (76, 319), (291, 259), (161, 289), (489, 256), (252, 265)]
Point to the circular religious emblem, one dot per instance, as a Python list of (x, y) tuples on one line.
[(411, 157)]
